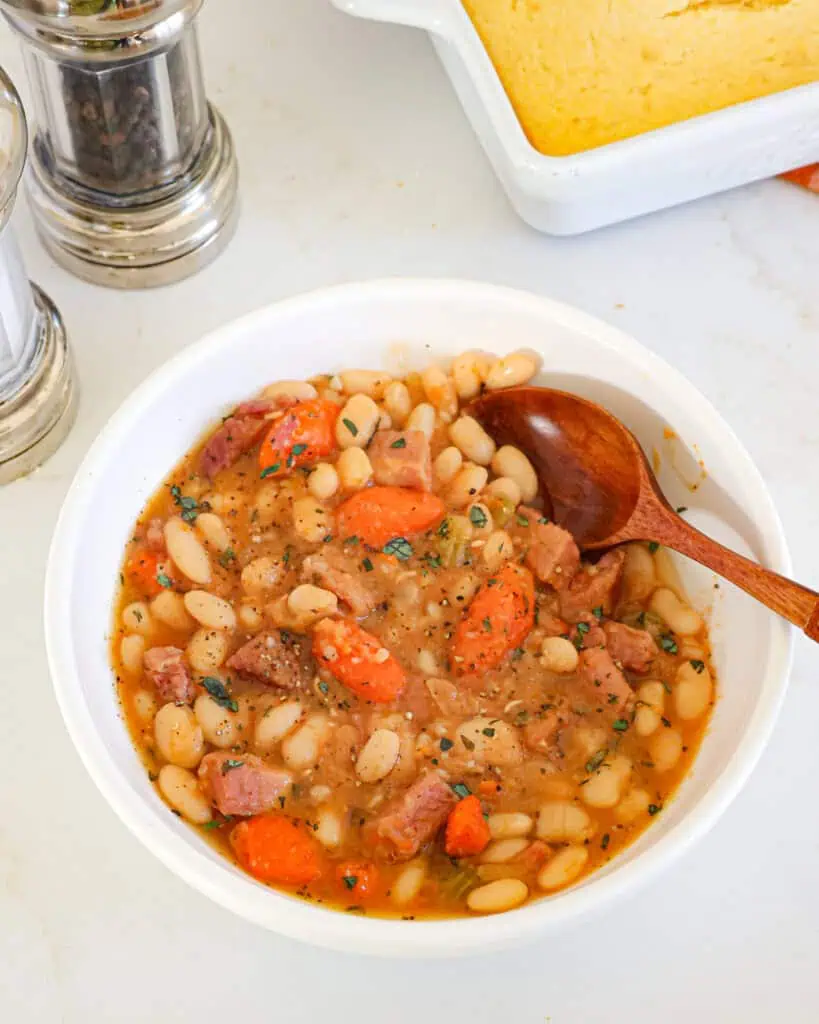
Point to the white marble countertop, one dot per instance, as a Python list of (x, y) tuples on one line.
[(357, 162)]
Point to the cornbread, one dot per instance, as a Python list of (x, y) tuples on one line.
[(583, 73)]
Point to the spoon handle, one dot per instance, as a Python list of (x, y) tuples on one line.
[(792, 601)]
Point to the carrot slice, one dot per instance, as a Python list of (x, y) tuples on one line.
[(467, 832), (378, 515), (360, 879), (357, 660), (807, 177), (305, 433), (144, 570), (275, 849), (500, 617)]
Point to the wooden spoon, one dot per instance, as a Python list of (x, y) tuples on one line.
[(602, 489)]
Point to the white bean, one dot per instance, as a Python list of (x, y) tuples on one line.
[(209, 610), (504, 850), (639, 578), (497, 550), (364, 382), (221, 726), (378, 756), (665, 568), (187, 551), (680, 617), (562, 822), (354, 469), (407, 885), (206, 650), (511, 371), (182, 791), (169, 607), (490, 741), (323, 481), (559, 655), (440, 391), (329, 828), (309, 603), (446, 465), (470, 437), (427, 662), (511, 462), (357, 422), (633, 804), (563, 868), (481, 518), (397, 403), (276, 722), (422, 418), (509, 825), (137, 618), (261, 575), (250, 617), (467, 482), (461, 591), (145, 706), (311, 520), (650, 707), (469, 370), (179, 736), (506, 488), (299, 389), (213, 530), (131, 653), (605, 786), (665, 748), (496, 897), (692, 690), (302, 748), (646, 721)]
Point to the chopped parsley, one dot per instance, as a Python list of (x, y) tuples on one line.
[(613, 698), (219, 692), (666, 687), (680, 509), (488, 731), (190, 506), (544, 520), (230, 764), (270, 470), (367, 565), (668, 643), (163, 580), (652, 546), (487, 624), (350, 540), (400, 442), (350, 881), (477, 517), (209, 826), (433, 561), (697, 665), (227, 556), (325, 689), (350, 426), (521, 718), (596, 760), (597, 612), (446, 744), (620, 724), (518, 653), (400, 547), (467, 742), (298, 449), (582, 628), (604, 842), (462, 790), (443, 529), (521, 520), (654, 809)]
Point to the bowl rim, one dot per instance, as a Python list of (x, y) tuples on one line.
[(296, 918)]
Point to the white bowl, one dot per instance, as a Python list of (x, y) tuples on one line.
[(567, 195), (373, 325)]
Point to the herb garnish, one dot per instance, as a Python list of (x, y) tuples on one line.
[(219, 692), (652, 546), (604, 842), (270, 470), (350, 426), (462, 790), (521, 520), (400, 547), (620, 724), (597, 612), (367, 565), (443, 529), (230, 764), (596, 760), (400, 442), (697, 665), (350, 881), (227, 556), (190, 506), (668, 643), (477, 517), (298, 449), (163, 580), (446, 744), (654, 809), (488, 731), (467, 742)]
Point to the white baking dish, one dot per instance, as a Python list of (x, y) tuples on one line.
[(571, 194)]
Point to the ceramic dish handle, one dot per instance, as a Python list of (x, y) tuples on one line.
[(433, 15)]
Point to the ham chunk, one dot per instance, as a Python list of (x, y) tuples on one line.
[(604, 681), (348, 588), (275, 659), (401, 458), (237, 435), (633, 648), (165, 667), (155, 536), (415, 817), (593, 589), (553, 555), (241, 783), (587, 633)]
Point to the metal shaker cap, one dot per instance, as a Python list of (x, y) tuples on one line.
[(37, 390)]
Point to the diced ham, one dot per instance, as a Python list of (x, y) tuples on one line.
[(274, 658), (587, 633), (414, 818), (401, 458), (551, 625), (155, 536), (633, 648), (553, 555), (241, 783), (165, 667), (606, 684), (348, 588), (541, 734), (593, 588), (237, 435)]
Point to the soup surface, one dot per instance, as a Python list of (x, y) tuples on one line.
[(353, 650)]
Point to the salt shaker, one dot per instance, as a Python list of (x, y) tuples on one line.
[(37, 390), (133, 176)]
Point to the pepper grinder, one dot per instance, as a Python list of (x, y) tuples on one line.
[(38, 396), (133, 176)]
